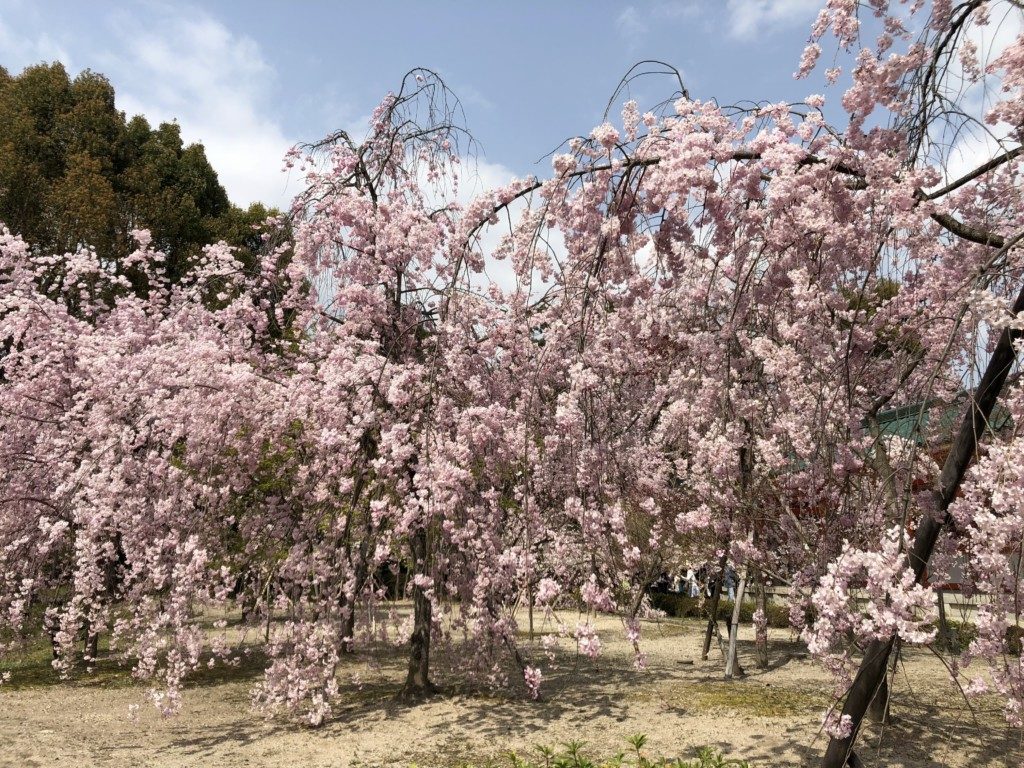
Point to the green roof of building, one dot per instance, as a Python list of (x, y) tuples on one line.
[(934, 420)]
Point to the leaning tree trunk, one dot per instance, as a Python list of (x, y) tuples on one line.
[(732, 665), (716, 596), (871, 675), (878, 709), (417, 681)]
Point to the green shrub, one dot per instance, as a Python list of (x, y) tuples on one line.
[(1014, 636), (675, 605), (684, 607), (959, 635)]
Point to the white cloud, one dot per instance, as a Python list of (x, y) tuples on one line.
[(21, 51), (471, 96), (748, 18), (485, 176), (631, 26), (634, 25), (174, 63), (187, 66), (677, 9)]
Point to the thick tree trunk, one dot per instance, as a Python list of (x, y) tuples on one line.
[(878, 709), (871, 675), (732, 666), (716, 596), (362, 575), (417, 681)]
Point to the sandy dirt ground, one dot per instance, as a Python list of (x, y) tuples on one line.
[(770, 717)]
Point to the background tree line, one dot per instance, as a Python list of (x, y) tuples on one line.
[(75, 171)]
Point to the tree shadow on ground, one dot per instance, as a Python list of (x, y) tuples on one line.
[(466, 721)]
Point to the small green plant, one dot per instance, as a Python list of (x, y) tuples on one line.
[(573, 755)]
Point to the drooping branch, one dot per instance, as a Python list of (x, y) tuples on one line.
[(953, 225)]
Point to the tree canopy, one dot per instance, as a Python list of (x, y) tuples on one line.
[(727, 299), (75, 171)]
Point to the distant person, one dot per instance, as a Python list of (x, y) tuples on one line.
[(729, 582), (702, 578), (692, 585)]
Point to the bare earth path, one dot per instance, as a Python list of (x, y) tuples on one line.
[(771, 718)]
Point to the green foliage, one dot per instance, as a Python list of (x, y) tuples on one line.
[(683, 607), (74, 171), (959, 634), (574, 755), (1014, 638), (869, 300)]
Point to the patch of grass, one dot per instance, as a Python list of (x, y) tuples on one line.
[(745, 697), (524, 634), (29, 668), (758, 700), (32, 667), (459, 753)]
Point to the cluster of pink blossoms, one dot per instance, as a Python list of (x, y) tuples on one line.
[(710, 314)]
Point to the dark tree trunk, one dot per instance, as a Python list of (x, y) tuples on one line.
[(945, 636), (270, 612), (362, 575), (244, 593), (529, 606), (348, 631), (878, 709), (91, 646), (52, 626), (417, 681), (716, 596), (871, 675)]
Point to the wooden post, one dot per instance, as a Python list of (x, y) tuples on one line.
[(761, 634), (944, 634)]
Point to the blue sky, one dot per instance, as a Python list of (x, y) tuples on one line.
[(249, 79)]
